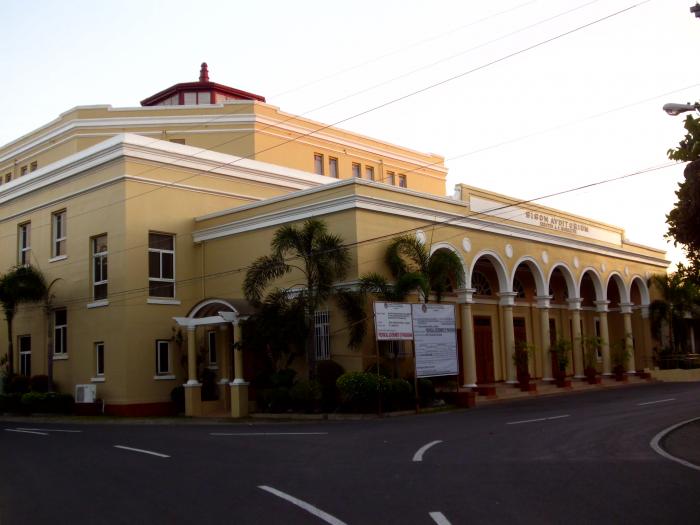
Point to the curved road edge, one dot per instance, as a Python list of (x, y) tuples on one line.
[(655, 444)]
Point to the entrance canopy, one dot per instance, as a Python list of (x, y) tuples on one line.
[(216, 311)]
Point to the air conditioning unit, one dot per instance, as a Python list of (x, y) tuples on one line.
[(85, 393)]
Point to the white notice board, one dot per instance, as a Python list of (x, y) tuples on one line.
[(435, 339), (392, 321)]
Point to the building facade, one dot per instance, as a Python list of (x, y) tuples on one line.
[(147, 217)]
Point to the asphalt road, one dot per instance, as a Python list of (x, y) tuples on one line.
[(581, 458)]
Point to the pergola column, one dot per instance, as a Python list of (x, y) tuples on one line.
[(223, 356), (626, 310), (193, 388), (466, 298), (646, 335), (507, 301), (543, 306), (575, 308), (602, 309), (239, 387)]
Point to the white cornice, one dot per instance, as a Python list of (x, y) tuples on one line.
[(430, 215)]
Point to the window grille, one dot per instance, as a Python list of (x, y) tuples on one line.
[(323, 335)]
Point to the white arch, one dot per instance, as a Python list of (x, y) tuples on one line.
[(503, 282), (537, 273), (200, 306), (643, 289), (447, 246), (600, 294), (571, 286), (621, 288)]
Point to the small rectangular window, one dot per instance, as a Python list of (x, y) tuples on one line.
[(323, 335), (23, 171), (333, 167), (162, 357), (369, 172), (402, 181), (25, 355), (99, 267), (99, 359), (178, 141), (356, 170), (161, 265), (204, 97), (24, 243), (8, 177), (33, 166), (190, 98), (60, 332), (58, 233), (318, 164), (390, 178), (211, 343)]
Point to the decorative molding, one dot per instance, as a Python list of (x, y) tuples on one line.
[(168, 377), (98, 304), (58, 258), (162, 300), (97, 379), (60, 357)]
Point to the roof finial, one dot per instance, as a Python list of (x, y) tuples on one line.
[(204, 73)]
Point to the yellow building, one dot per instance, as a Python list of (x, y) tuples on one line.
[(147, 217)]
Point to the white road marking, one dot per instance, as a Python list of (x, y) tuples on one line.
[(418, 456), (659, 401), (302, 504), (50, 430), (158, 454), (538, 419), (26, 432), (439, 518), (268, 433), (655, 444)]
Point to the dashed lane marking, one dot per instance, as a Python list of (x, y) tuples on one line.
[(418, 456), (268, 433), (26, 431), (51, 430), (655, 444), (142, 451), (537, 420), (655, 402), (302, 504), (439, 518)]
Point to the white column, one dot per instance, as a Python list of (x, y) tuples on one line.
[(575, 308), (237, 357), (222, 350), (507, 300), (466, 297), (602, 309), (626, 310), (191, 356), (543, 306)]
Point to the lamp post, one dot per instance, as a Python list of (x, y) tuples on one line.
[(674, 109)]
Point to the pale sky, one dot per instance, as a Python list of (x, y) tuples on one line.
[(582, 108)]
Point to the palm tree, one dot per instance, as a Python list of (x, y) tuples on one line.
[(22, 284), (321, 258), (680, 295)]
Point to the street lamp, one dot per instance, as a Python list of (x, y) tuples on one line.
[(676, 109)]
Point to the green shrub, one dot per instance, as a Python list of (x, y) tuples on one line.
[(10, 403), (328, 373), (274, 399), (50, 403), (305, 395), (398, 395), (177, 396), (17, 385), (359, 390), (426, 391), (283, 378), (39, 383)]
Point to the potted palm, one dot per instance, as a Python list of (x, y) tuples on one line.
[(521, 359), (618, 356), (591, 345), (561, 350)]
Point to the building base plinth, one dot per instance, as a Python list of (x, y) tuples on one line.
[(239, 400), (193, 400)]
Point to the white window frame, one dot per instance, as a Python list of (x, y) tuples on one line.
[(211, 348), (24, 234), (99, 349), (369, 172), (60, 334), (58, 233), (403, 182), (319, 164), (391, 177), (333, 168), (25, 356), (322, 325), (100, 257), (160, 371), (357, 170), (161, 279)]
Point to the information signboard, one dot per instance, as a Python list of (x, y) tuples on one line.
[(392, 321), (435, 340)]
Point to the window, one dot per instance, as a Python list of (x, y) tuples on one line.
[(518, 288), (161, 265), (23, 171), (99, 359), (369, 172), (402, 181), (8, 177), (25, 247), (333, 167), (191, 98), (390, 178), (25, 355), (356, 170), (60, 332), (162, 357), (323, 335), (178, 141), (99, 267), (481, 284), (58, 233), (211, 343), (33, 166), (318, 164)]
